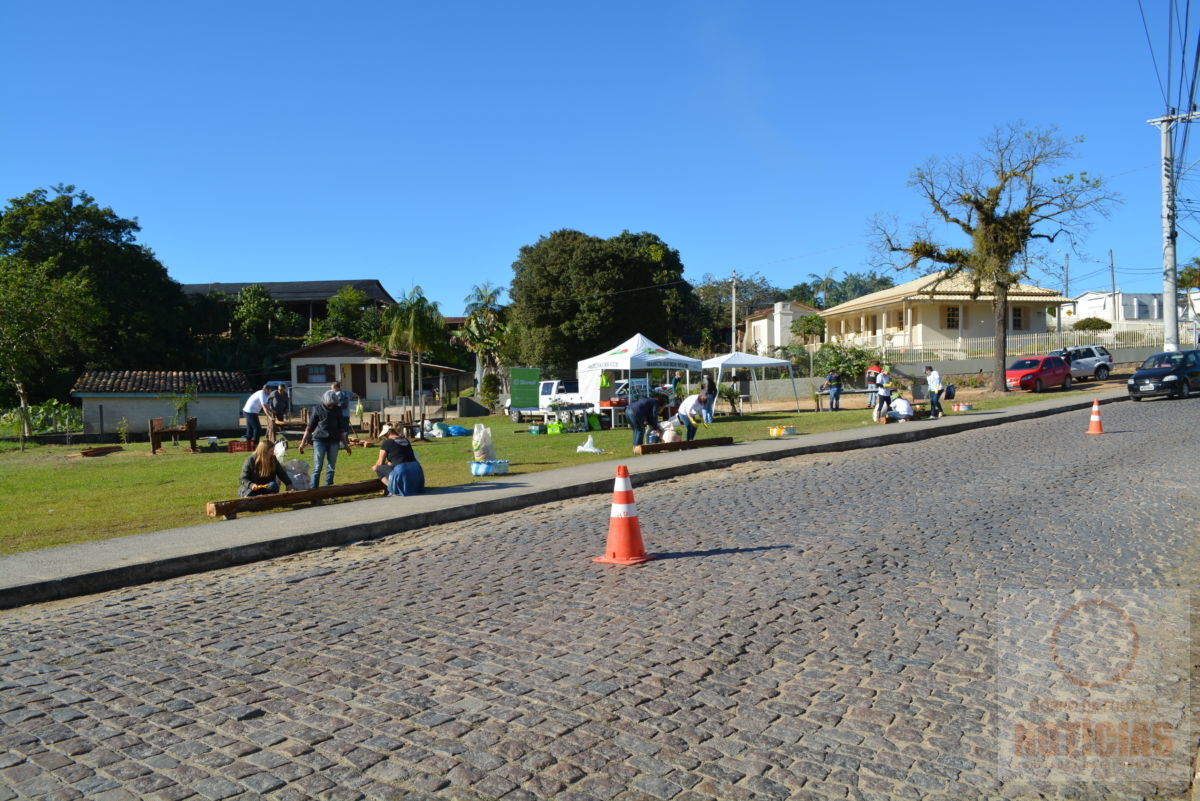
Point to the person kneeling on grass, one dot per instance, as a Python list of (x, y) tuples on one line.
[(262, 473), (901, 410), (397, 465)]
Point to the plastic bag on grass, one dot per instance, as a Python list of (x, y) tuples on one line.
[(297, 470), (481, 444), (588, 447)]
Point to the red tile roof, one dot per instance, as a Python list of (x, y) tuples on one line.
[(161, 381)]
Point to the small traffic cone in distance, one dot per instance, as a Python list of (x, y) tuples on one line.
[(1094, 426), (624, 531)]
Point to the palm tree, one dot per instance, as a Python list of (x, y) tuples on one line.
[(483, 330), (413, 324)]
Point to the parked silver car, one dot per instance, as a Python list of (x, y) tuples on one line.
[(1087, 360)]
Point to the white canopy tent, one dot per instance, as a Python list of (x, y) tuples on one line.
[(635, 354), (753, 362)]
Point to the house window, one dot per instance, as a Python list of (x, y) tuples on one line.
[(374, 373), (1019, 322), (874, 324), (315, 373), (950, 318)]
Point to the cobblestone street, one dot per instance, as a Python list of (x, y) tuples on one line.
[(854, 625)]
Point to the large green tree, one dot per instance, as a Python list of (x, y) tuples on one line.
[(348, 313), (1002, 200), (573, 294), (144, 325), (258, 315), (715, 295), (41, 318)]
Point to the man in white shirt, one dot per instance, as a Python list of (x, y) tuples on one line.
[(691, 405), (254, 406), (901, 410), (934, 380)]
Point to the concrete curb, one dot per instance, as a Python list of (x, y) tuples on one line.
[(75, 570)]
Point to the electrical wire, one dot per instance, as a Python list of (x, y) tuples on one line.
[(1153, 58)]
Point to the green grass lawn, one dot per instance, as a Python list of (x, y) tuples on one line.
[(49, 499)]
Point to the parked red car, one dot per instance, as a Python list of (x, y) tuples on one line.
[(1038, 373)]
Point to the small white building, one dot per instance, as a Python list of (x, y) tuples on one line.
[(128, 399), (771, 328), (1119, 307)]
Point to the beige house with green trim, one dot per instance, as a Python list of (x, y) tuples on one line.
[(936, 312)]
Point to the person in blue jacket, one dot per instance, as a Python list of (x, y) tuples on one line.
[(643, 413)]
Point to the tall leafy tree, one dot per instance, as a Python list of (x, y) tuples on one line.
[(144, 325), (348, 313), (484, 330), (1001, 200), (414, 324), (258, 315), (41, 318), (573, 293), (753, 292)]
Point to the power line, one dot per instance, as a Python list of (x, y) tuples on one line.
[(1153, 59)]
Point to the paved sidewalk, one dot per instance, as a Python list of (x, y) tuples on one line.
[(74, 570)]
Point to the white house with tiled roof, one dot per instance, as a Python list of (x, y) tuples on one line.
[(137, 396), (362, 369), (934, 311)]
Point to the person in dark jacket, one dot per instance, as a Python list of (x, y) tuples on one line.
[(262, 473), (643, 413), (327, 432)]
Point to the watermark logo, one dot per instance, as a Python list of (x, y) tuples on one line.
[(1093, 688)]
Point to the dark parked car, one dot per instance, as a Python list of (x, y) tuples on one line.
[(1176, 373)]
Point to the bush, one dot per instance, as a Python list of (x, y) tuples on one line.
[(850, 361), (1091, 324), (52, 416), (489, 390)]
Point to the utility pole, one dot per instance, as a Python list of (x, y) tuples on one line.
[(1112, 274), (1166, 125), (733, 317), (1066, 294)]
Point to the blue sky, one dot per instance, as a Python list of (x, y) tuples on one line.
[(425, 143)]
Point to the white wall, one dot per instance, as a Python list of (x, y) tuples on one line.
[(213, 413)]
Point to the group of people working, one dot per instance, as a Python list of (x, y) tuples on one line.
[(645, 413), (883, 395), (328, 432)]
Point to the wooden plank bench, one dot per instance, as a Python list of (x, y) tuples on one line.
[(665, 447), (229, 509)]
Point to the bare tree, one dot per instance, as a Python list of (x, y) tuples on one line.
[(1002, 199)]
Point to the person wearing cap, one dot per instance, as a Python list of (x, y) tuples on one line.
[(397, 465), (327, 432), (901, 410)]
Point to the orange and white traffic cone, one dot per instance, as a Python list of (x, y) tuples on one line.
[(624, 532), (1094, 426)]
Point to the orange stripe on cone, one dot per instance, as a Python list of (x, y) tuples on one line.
[(1094, 426), (624, 532)]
